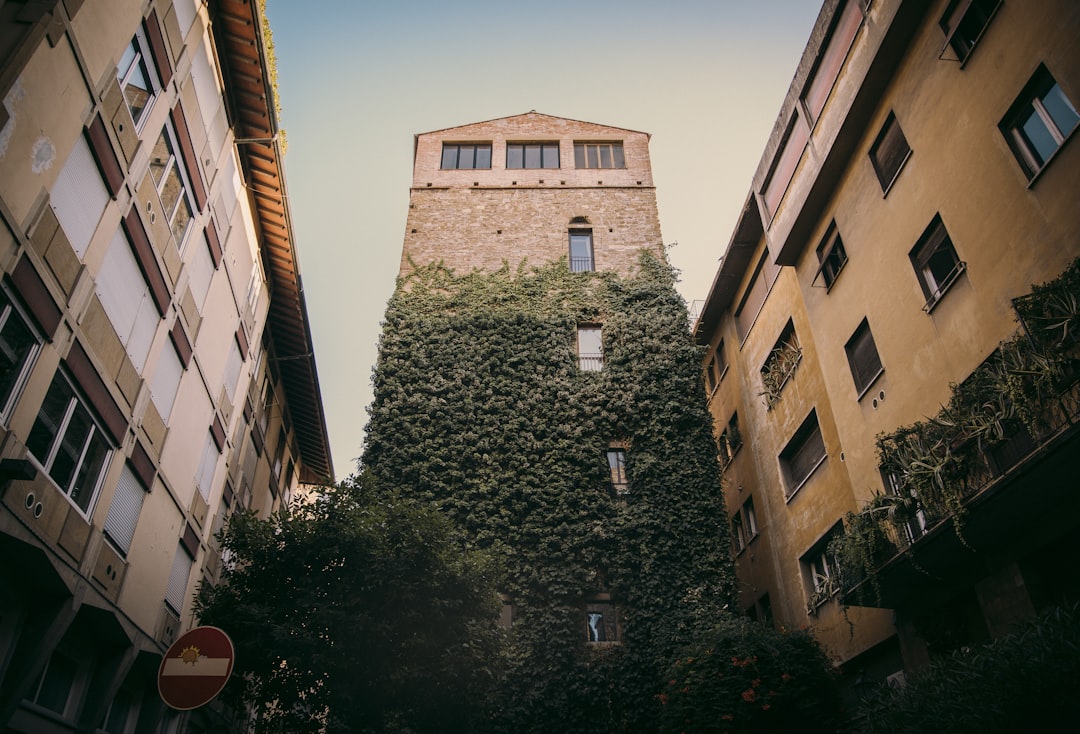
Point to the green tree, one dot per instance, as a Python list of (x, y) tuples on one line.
[(357, 612)]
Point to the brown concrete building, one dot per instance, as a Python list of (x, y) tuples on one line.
[(921, 175), (157, 369)]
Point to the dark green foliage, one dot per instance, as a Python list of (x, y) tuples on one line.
[(743, 677), (357, 613), (480, 409), (1023, 682)]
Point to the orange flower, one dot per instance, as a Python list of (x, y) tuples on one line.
[(749, 695)]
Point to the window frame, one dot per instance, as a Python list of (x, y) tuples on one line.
[(545, 148), (141, 59), (786, 352), (963, 9), (186, 195), (807, 436), (618, 477), (832, 257), (587, 152), (607, 634), (862, 336), (10, 308), (590, 361), (933, 240), (581, 264), (125, 509), (716, 368), (177, 584), (819, 569), (886, 177), (456, 147), (1028, 105), (140, 307), (96, 439), (730, 441)]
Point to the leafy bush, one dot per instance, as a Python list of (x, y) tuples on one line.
[(1023, 682), (743, 677)]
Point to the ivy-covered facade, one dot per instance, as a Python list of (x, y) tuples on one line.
[(590, 477)]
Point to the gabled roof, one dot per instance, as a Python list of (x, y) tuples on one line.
[(533, 113), (249, 97)]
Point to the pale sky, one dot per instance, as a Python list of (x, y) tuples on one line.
[(357, 79)]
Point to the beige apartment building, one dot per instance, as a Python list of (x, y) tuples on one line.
[(921, 175), (156, 365)]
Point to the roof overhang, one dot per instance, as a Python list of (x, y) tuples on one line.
[(249, 98)]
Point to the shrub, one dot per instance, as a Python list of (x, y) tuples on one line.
[(743, 677), (1025, 681)]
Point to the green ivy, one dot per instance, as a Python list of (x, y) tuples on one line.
[(481, 410)]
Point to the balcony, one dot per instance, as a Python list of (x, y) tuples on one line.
[(988, 479)]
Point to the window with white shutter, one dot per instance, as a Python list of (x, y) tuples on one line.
[(166, 382), (79, 197), (124, 511), (178, 579), (126, 298)]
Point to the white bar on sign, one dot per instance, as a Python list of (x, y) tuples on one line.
[(202, 666)]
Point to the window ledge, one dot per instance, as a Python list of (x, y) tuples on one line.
[(903, 165), (1038, 174), (935, 298), (808, 477), (870, 385)]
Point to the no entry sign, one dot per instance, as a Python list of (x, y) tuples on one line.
[(195, 668)]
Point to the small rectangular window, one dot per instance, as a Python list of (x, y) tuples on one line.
[(936, 263), (1039, 122), (599, 155), (964, 22), (581, 251), (803, 454), (616, 461), (136, 79), (176, 588), (889, 152), (714, 371), (124, 511), (532, 155), (863, 357), (590, 345), (466, 155), (19, 347), (780, 364), (820, 570), (730, 440), (208, 461), (749, 519), (831, 257), (601, 623), (738, 535)]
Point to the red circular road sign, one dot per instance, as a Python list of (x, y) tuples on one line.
[(195, 668)]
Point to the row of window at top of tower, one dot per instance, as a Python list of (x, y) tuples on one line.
[(542, 154)]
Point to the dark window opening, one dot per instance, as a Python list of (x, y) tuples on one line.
[(1039, 122), (863, 357), (889, 152), (803, 454), (532, 155), (466, 155), (831, 257), (936, 263)]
